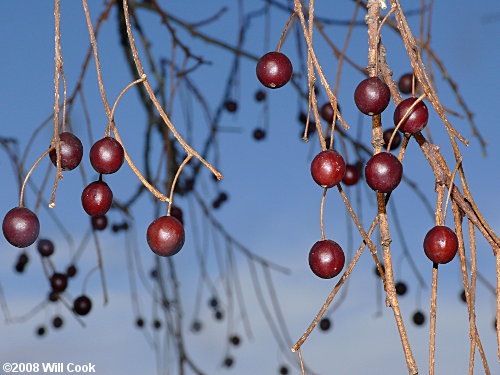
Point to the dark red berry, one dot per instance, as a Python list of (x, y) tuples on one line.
[(106, 155), (235, 340), (260, 95), (19, 267), (231, 106), (97, 198), (57, 322), (71, 152), (383, 172), (372, 96), (228, 361), (440, 244), (405, 83), (351, 176), (396, 141), (328, 168), (401, 288), (274, 70), (45, 247), (21, 227), (259, 134), (418, 318), (53, 296), (416, 121), (283, 370), (177, 213), (23, 259), (325, 324), (82, 305), (165, 236), (326, 112), (326, 259), (58, 282), (99, 222), (71, 270)]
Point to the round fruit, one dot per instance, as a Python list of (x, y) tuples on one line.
[(326, 259), (325, 324), (219, 315), (97, 198), (440, 244), (416, 120), (401, 288), (177, 213), (58, 282), (71, 152), (228, 361), (351, 176), (260, 95), (213, 302), (21, 227), (82, 305), (284, 370), (383, 172), (259, 134), (196, 326), (57, 322), (40, 331), (405, 83), (327, 112), (99, 222), (45, 247), (396, 141), (328, 168), (106, 155), (235, 340), (231, 106), (71, 270), (165, 236), (274, 70), (139, 322), (372, 96), (418, 318), (156, 324), (376, 271)]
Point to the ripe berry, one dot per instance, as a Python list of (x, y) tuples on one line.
[(326, 112), (97, 198), (82, 305), (23, 259), (19, 267), (165, 236), (274, 70), (383, 172), (372, 96), (45, 247), (259, 134), (139, 322), (71, 152), (328, 168), (156, 324), (177, 213), (351, 176), (106, 155), (21, 227), (401, 288), (213, 302), (405, 83), (325, 324), (377, 273), (58, 282), (228, 361), (326, 259), (396, 141), (440, 244), (235, 340), (231, 106), (71, 270), (418, 318), (57, 322), (283, 370), (53, 296), (40, 331), (99, 222), (416, 121), (260, 95), (218, 315)]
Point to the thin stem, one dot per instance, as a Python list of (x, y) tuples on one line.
[(450, 189), (174, 182), (321, 207), (21, 195), (432, 334), (282, 37)]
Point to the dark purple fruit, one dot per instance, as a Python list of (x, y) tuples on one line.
[(231, 106), (326, 112), (396, 141), (71, 152), (260, 95), (82, 305), (284, 370), (405, 83), (440, 244), (165, 236), (58, 282), (274, 70), (106, 155), (328, 168), (372, 96), (401, 288), (99, 222), (325, 324), (326, 259), (57, 322), (71, 270), (417, 119), (259, 134), (97, 198), (383, 172), (21, 227), (418, 318), (45, 247), (351, 176)]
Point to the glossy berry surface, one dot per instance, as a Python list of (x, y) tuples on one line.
[(165, 236), (326, 259), (59, 282), (440, 244), (372, 96), (396, 141), (351, 176), (82, 305), (416, 121), (45, 247), (106, 155), (405, 83), (274, 70), (325, 324), (71, 151), (97, 198), (21, 227), (328, 168), (99, 222), (401, 288), (383, 172), (418, 318)]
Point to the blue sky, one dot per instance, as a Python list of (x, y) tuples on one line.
[(273, 206)]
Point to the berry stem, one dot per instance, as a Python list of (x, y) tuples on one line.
[(321, 210), (21, 195), (433, 314), (450, 186), (174, 182), (285, 29)]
